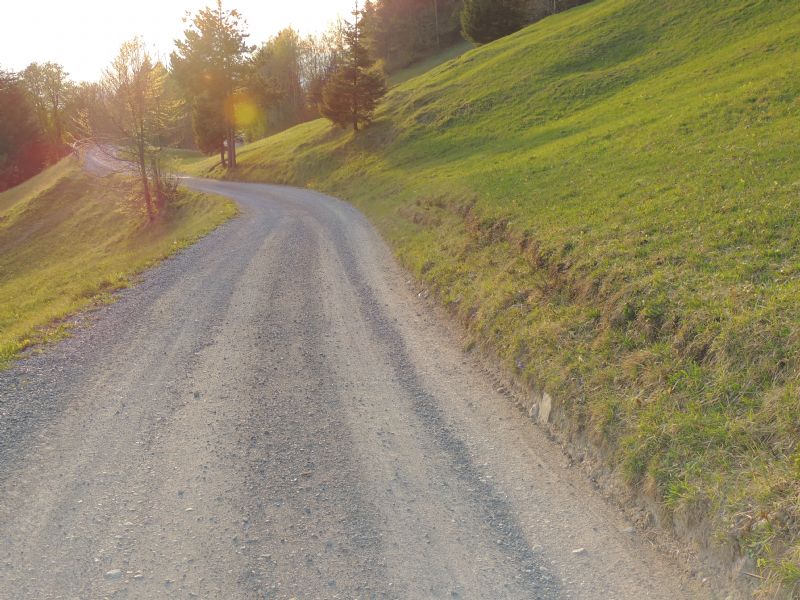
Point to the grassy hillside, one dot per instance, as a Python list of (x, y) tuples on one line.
[(423, 66), (611, 199), (67, 240)]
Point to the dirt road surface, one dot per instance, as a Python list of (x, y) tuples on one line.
[(273, 414)]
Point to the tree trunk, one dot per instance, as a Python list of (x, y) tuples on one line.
[(58, 128), (231, 148), (355, 98), (222, 155), (160, 198), (148, 199)]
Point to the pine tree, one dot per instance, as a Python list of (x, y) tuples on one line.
[(213, 60), (350, 97), (208, 125), (483, 21)]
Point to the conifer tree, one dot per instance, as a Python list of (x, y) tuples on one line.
[(351, 95), (483, 21), (213, 60)]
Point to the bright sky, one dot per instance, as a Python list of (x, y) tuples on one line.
[(84, 35)]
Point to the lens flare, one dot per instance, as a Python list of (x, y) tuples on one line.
[(245, 111)]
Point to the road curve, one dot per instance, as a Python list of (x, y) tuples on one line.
[(272, 414)]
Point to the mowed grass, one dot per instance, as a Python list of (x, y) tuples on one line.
[(426, 64), (610, 199), (180, 160), (67, 240)]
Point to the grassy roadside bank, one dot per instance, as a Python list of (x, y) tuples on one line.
[(610, 199), (68, 240)]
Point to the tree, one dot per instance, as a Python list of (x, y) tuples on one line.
[(278, 65), (400, 32), (49, 89), (135, 106), (22, 150), (321, 58), (212, 61), (483, 21), (353, 92), (208, 125)]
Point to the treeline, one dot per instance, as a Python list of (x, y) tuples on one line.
[(34, 120), (217, 90), (400, 32), (395, 33)]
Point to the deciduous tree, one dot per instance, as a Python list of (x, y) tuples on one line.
[(49, 89), (133, 94), (22, 149), (321, 58), (278, 64)]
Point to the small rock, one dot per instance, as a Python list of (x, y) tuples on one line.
[(629, 530), (579, 551), (114, 574)]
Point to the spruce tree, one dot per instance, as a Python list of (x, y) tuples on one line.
[(351, 95), (213, 60), (483, 21)]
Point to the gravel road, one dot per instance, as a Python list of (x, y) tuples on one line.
[(273, 414)]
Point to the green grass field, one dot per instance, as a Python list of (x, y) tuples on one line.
[(67, 240), (610, 199), (423, 66)]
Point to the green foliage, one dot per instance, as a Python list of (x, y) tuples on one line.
[(610, 199), (22, 149), (213, 61), (279, 66), (484, 21), (34, 115), (352, 94), (400, 32), (49, 89), (208, 125)]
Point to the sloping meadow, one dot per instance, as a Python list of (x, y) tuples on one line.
[(610, 200), (68, 240)]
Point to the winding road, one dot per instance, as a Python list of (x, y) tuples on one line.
[(273, 413)]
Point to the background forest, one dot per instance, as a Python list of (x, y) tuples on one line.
[(44, 114)]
